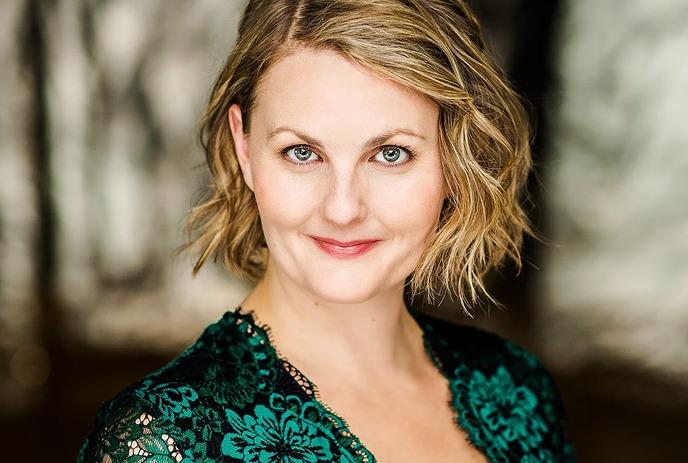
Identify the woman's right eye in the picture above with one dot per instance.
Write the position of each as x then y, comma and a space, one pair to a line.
298, 154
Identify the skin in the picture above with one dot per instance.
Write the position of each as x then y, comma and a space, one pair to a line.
343, 322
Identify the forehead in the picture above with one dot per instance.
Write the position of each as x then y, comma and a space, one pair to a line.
323, 91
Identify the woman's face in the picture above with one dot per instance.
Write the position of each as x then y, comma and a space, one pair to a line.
338, 153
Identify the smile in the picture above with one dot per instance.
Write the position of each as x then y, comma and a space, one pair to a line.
344, 250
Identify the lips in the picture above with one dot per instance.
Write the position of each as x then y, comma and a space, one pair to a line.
344, 249
342, 243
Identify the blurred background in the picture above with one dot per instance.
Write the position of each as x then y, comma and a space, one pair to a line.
99, 163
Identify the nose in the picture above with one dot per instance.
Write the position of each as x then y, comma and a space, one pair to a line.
344, 202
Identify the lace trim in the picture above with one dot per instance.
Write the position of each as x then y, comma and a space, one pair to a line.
310, 388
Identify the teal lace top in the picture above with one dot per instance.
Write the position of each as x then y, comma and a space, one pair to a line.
231, 397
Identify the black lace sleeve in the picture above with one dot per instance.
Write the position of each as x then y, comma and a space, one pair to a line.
125, 430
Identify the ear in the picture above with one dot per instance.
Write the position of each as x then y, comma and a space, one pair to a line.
240, 143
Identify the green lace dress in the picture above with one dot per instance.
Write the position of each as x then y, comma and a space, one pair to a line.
232, 397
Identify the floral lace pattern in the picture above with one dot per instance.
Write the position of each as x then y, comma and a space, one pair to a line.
232, 397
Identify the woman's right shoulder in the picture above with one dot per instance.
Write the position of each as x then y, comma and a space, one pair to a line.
129, 425
155, 417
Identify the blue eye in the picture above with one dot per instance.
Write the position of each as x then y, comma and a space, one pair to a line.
302, 155
392, 153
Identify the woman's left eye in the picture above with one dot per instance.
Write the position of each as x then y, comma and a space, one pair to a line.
390, 155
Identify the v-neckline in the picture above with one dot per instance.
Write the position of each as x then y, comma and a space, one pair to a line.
419, 317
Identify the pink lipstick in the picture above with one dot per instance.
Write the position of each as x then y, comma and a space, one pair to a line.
344, 250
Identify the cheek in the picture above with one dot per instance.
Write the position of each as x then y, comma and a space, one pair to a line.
283, 200
411, 206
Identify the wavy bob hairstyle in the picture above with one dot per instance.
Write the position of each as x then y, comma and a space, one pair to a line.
432, 46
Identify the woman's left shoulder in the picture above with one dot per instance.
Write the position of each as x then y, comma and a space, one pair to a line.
481, 348
519, 407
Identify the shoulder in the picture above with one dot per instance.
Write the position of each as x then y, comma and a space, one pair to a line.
506, 397
159, 414
469, 350
465, 344
125, 427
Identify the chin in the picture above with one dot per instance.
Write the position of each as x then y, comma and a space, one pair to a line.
343, 290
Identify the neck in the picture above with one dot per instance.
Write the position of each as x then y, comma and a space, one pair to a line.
354, 343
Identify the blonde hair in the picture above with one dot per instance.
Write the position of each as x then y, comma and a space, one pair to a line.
432, 46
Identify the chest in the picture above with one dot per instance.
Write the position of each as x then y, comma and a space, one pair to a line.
406, 429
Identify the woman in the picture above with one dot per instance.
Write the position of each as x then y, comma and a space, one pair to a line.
356, 148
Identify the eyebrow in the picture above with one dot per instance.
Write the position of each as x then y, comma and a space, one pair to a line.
372, 142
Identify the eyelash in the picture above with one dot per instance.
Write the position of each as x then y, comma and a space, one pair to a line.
411, 155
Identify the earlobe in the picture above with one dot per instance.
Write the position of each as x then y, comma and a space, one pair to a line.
240, 144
